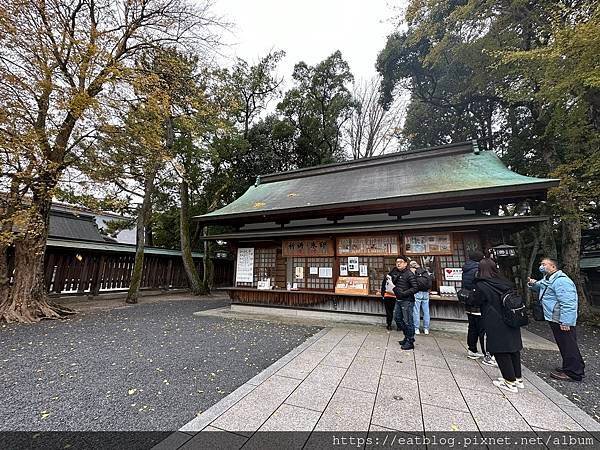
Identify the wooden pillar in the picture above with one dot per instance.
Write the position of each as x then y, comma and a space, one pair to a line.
169, 274
84, 276
97, 276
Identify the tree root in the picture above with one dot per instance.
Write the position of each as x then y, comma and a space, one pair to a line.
16, 312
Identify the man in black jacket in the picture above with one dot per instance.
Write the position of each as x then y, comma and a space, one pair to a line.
406, 287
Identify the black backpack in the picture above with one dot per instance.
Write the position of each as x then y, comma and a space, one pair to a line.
424, 281
468, 297
514, 311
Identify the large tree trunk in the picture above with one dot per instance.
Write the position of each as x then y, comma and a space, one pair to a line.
196, 285
4, 275
571, 249
527, 254
27, 300
547, 241
141, 222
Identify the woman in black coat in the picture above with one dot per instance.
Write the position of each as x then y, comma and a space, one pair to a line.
503, 342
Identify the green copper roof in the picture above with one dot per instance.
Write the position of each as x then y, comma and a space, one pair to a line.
450, 171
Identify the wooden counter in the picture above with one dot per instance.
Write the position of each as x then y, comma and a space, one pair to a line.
436, 297
439, 307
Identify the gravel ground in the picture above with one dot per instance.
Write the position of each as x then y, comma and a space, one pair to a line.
586, 394
151, 366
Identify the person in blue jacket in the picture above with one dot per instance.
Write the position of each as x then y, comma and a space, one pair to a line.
559, 300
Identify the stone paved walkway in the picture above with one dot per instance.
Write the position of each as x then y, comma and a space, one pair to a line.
358, 379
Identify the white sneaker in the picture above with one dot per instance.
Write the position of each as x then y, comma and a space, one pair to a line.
518, 383
417, 331
506, 385
426, 331
474, 355
489, 360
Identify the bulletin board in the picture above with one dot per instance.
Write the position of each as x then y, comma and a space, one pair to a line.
428, 244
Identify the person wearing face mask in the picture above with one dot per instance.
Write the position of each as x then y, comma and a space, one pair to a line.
559, 300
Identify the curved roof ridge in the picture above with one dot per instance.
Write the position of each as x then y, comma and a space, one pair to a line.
458, 147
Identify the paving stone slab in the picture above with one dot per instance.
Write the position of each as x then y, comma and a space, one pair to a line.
451, 347
397, 405
348, 410
400, 366
199, 423
314, 396
439, 391
328, 341
326, 375
493, 412
340, 357
430, 360
246, 416
541, 412
442, 419
469, 375
582, 418
363, 374
430, 349
302, 365
545, 388
291, 418
374, 346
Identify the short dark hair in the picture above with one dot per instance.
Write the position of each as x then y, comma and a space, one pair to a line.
476, 255
552, 260
403, 258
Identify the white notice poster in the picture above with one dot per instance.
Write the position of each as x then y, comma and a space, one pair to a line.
363, 270
245, 266
325, 272
314, 270
353, 264
343, 270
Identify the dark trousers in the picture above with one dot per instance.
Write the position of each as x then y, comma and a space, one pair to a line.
476, 331
572, 364
404, 316
389, 304
509, 365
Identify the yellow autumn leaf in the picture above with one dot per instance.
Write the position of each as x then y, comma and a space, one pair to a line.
454, 427
131, 391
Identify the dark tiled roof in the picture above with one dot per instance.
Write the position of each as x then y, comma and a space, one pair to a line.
67, 225
114, 247
406, 178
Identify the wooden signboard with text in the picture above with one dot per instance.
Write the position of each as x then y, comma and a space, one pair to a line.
352, 285
307, 247
368, 245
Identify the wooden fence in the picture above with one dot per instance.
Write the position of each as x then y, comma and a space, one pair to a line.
78, 271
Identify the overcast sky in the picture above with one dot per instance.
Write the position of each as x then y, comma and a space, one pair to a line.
309, 30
